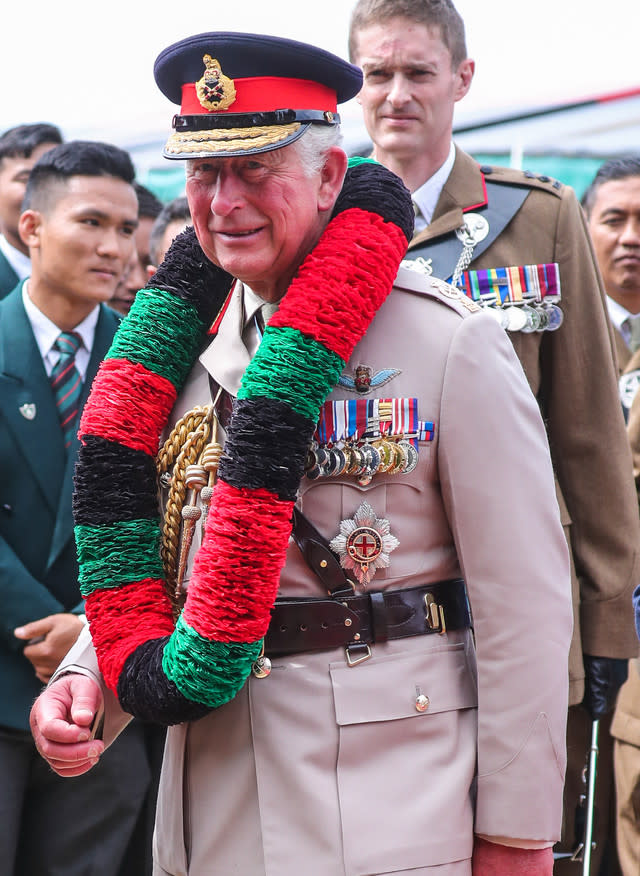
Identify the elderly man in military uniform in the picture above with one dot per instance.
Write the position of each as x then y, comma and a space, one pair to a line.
362, 660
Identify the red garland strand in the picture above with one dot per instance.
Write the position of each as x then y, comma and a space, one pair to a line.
141, 608
138, 403
338, 322
236, 589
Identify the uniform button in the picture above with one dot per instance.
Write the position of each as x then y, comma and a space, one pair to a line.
544, 178
422, 703
486, 168
262, 667
529, 174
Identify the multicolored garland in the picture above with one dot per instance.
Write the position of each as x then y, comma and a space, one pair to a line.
171, 673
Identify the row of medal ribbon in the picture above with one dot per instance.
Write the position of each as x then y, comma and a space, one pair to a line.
362, 459
365, 437
522, 298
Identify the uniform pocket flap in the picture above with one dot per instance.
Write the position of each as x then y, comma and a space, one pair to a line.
387, 688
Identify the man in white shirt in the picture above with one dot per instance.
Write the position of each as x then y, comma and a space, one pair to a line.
78, 225
20, 148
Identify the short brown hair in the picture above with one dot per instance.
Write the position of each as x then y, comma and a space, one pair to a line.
432, 13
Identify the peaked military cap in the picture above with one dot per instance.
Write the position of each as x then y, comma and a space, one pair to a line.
241, 93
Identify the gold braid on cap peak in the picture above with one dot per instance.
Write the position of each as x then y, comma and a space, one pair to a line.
214, 140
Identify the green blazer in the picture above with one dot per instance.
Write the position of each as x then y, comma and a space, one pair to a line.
8, 277
38, 565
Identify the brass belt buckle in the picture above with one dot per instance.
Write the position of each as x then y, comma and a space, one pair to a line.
365, 653
435, 614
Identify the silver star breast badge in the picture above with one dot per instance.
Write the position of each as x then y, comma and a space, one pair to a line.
364, 544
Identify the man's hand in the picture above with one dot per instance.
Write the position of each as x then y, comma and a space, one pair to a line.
54, 636
61, 721
491, 859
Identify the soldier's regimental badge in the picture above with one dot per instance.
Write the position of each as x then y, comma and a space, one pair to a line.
364, 380
215, 90
364, 544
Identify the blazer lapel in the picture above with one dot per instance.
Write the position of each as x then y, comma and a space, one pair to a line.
27, 401
63, 531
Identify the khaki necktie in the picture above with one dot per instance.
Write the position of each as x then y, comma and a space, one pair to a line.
633, 323
265, 313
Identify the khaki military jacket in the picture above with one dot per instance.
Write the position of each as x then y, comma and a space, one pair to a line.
626, 720
325, 768
572, 374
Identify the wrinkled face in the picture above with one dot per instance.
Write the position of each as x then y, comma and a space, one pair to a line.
410, 87
258, 216
14, 173
614, 225
81, 243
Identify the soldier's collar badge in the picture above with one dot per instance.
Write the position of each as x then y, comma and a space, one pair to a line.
215, 90
364, 544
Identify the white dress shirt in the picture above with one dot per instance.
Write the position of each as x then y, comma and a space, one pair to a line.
46, 332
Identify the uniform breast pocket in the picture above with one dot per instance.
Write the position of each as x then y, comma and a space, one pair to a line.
406, 765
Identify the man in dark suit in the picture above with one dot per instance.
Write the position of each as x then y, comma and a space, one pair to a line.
20, 148
79, 217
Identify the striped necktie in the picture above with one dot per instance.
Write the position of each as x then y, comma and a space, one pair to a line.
67, 383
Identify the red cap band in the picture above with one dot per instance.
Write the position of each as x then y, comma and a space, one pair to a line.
266, 94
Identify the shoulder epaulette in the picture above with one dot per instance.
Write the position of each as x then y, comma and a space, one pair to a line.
513, 176
439, 290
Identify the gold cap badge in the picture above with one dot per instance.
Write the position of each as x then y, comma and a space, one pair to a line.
215, 90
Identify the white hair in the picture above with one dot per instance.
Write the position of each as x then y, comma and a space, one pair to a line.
313, 145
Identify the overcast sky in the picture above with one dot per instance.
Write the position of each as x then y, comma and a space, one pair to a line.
88, 66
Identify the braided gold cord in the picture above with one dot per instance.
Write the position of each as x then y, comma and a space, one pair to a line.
184, 445
179, 436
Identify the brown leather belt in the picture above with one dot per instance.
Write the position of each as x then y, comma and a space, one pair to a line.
358, 621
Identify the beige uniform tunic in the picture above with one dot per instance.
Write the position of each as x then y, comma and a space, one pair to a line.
330, 770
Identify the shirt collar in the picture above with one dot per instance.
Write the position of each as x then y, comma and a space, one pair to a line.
618, 314
426, 197
46, 332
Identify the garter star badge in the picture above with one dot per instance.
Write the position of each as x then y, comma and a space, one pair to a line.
215, 90
364, 544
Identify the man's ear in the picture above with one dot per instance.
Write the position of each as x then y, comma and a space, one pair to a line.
332, 177
464, 75
29, 227
151, 269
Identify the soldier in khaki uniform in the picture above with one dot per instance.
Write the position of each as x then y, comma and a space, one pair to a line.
612, 205
390, 740
473, 219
